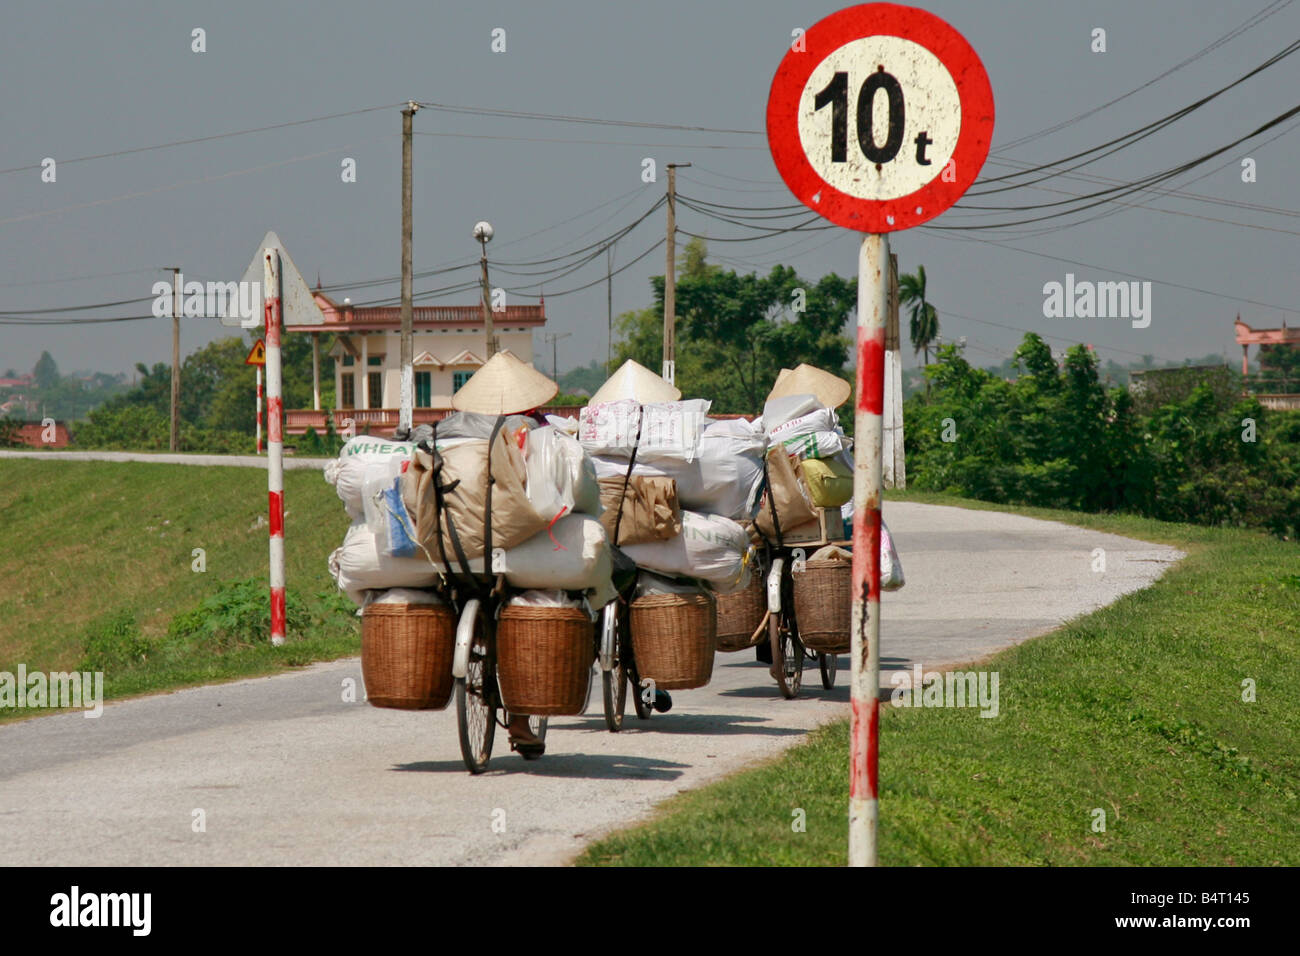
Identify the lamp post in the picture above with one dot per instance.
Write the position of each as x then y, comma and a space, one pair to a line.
483, 233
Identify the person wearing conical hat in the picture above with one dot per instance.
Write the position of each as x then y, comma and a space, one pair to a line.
636, 382
830, 390
504, 386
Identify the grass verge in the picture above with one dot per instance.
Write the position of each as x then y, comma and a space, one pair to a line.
104, 561
1135, 710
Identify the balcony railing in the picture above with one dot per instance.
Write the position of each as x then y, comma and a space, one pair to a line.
372, 420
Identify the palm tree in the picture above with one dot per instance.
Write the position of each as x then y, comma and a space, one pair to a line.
923, 327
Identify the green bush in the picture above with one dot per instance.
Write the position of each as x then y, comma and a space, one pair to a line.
237, 614
113, 641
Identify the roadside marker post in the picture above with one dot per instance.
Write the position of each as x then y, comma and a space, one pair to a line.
274, 441
257, 358
879, 121
286, 302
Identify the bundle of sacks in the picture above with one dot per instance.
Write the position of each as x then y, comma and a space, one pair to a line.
674, 483
809, 458
425, 508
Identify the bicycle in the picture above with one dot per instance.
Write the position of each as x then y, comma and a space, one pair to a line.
479, 708
788, 651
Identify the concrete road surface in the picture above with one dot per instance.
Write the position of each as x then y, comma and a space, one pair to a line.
281, 770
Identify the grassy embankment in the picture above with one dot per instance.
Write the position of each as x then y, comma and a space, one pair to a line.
1136, 710
97, 560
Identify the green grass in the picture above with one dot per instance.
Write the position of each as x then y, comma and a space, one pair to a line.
101, 555
1135, 709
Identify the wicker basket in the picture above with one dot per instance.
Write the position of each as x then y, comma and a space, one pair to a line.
406, 652
740, 614
823, 605
544, 657
674, 637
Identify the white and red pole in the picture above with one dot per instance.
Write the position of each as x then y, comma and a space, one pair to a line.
275, 441
259, 408
868, 445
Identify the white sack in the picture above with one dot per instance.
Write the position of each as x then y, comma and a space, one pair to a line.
581, 563
361, 459
710, 547
724, 479
405, 596
537, 598
787, 408
668, 429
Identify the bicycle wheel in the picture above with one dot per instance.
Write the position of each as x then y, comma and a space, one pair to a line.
787, 653
829, 665
476, 700
614, 681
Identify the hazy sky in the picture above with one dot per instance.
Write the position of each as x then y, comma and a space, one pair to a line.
79, 79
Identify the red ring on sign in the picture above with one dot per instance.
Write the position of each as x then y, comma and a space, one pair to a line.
973, 139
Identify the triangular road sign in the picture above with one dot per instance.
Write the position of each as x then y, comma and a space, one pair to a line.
298, 305
258, 355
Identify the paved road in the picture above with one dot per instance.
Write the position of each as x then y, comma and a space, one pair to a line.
168, 458
285, 772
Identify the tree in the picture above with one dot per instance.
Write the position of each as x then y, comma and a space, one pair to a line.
736, 332
923, 327
46, 372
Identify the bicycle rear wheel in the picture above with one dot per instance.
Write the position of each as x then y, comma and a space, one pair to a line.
614, 681
787, 653
476, 699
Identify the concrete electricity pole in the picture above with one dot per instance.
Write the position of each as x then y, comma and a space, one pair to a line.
670, 280
554, 337
407, 400
609, 308
174, 443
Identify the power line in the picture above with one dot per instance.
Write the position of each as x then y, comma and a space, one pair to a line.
588, 120
204, 139
593, 142
1258, 18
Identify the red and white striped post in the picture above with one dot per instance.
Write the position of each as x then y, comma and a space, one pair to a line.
868, 445
259, 409
275, 439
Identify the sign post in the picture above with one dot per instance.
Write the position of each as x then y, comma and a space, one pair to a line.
274, 441
287, 301
879, 121
257, 357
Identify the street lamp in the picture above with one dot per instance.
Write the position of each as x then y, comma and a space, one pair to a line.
483, 233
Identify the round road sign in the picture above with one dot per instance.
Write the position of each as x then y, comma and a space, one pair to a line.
881, 118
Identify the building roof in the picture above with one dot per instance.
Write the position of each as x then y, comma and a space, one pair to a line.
340, 317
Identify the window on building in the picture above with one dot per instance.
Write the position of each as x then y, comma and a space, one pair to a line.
349, 399
423, 389
375, 360
347, 359
376, 390
458, 379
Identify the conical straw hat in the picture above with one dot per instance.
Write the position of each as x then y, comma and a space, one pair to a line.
636, 382
831, 390
504, 386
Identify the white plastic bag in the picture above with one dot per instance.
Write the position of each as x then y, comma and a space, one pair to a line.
891, 566
561, 477
363, 458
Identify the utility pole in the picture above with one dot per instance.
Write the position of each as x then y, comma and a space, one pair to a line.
407, 400
483, 232
174, 443
609, 308
670, 280
554, 337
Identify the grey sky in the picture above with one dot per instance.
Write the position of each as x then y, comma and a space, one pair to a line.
87, 78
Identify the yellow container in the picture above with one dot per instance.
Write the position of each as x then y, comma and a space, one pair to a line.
830, 481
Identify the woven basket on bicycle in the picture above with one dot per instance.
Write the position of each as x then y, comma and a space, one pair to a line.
544, 657
674, 637
823, 605
740, 614
406, 652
